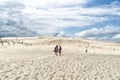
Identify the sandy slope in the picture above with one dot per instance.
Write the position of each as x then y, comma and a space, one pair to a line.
38, 62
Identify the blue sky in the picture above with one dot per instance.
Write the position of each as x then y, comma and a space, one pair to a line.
92, 19
94, 3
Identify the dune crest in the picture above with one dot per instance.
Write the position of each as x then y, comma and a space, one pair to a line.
34, 59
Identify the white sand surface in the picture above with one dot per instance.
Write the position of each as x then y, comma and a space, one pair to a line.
38, 62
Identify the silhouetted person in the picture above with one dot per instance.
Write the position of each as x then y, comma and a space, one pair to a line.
114, 49
57, 50
86, 50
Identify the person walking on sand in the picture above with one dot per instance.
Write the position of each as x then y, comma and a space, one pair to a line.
57, 50
86, 50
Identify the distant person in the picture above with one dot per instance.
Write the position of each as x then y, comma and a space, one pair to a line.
114, 49
86, 50
57, 50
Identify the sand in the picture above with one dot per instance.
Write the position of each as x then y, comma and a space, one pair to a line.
34, 59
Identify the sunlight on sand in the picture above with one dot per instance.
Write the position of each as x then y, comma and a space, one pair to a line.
37, 61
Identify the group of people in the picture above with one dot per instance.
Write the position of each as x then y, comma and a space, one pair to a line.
58, 50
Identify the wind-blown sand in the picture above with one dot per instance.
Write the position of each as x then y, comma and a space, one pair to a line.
34, 59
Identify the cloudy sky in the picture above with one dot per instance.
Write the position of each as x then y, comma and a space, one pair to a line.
93, 19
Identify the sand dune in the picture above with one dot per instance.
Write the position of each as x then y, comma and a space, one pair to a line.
38, 62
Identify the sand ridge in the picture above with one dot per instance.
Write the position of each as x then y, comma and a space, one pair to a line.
38, 62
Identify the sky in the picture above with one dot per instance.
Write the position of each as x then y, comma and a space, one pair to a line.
91, 19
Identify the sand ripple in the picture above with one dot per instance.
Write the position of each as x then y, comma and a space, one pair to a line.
72, 67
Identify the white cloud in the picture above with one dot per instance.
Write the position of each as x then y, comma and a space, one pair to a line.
12, 19
60, 18
99, 11
3, 0
102, 33
116, 37
53, 3
61, 34
47, 17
